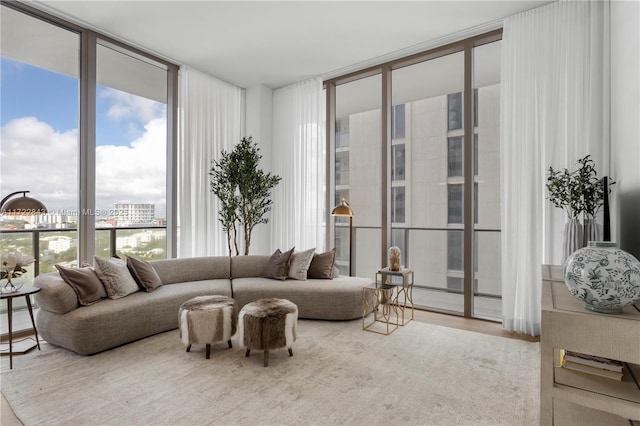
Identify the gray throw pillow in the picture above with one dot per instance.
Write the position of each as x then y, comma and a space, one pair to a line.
84, 282
278, 266
116, 277
299, 264
144, 274
322, 265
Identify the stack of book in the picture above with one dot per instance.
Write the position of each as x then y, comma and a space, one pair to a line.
598, 366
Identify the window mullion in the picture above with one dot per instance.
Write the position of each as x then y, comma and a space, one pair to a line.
87, 148
468, 180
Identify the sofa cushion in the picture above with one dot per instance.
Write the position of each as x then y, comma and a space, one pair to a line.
192, 269
337, 299
322, 265
248, 266
85, 282
116, 277
55, 294
278, 266
144, 274
299, 264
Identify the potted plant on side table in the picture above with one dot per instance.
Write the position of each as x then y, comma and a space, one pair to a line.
578, 192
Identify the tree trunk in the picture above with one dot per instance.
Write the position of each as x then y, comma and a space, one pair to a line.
235, 240
247, 240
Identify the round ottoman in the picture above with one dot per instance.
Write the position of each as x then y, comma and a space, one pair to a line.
268, 324
208, 319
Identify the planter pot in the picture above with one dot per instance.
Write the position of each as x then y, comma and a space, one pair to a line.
604, 277
572, 237
591, 231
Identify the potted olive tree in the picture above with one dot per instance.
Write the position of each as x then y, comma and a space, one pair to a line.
244, 191
578, 193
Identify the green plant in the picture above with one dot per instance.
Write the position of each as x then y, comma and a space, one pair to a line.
243, 190
223, 185
580, 191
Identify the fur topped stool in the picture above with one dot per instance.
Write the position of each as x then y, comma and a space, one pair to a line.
268, 324
208, 319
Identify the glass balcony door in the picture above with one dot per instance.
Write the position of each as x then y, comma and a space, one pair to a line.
359, 174
428, 178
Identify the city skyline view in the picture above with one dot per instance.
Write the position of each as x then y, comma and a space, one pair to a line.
40, 145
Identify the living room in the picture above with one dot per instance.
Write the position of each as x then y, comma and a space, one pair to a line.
367, 108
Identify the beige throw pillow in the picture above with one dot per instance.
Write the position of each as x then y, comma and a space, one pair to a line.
116, 277
278, 266
322, 265
299, 265
84, 282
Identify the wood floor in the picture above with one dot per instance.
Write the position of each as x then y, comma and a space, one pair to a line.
7, 418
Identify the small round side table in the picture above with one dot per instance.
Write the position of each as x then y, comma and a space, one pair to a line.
26, 293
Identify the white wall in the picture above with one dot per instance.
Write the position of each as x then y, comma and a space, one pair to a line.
625, 124
258, 124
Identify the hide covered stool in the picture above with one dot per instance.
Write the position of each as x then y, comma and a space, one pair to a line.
208, 319
268, 324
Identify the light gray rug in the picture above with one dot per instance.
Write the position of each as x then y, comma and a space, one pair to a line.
421, 374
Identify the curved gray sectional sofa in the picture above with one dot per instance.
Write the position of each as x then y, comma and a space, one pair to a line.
62, 321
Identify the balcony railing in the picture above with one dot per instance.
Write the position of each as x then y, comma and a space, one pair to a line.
37, 242
419, 248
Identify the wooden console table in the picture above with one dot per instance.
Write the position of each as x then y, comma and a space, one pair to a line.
568, 397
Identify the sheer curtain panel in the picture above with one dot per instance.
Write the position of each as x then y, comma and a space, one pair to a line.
299, 157
554, 106
211, 118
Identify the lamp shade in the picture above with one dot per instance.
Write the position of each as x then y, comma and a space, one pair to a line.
21, 206
342, 210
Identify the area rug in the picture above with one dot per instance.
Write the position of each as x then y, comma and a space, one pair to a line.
420, 374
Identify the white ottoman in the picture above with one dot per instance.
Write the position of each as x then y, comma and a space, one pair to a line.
208, 319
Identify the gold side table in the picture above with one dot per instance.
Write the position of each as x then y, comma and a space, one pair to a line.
403, 281
380, 296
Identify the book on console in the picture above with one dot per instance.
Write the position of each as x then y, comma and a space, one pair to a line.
592, 370
593, 361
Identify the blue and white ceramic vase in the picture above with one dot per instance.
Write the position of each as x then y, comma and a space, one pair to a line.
603, 276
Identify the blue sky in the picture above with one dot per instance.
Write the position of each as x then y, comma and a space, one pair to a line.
39, 144
53, 98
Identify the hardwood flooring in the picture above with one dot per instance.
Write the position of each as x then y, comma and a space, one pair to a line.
7, 418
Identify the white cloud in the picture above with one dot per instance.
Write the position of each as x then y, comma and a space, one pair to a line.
35, 157
126, 106
134, 173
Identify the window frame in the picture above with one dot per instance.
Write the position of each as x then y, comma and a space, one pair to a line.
469, 118
89, 40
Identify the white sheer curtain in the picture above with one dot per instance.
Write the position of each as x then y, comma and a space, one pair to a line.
554, 110
299, 156
210, 120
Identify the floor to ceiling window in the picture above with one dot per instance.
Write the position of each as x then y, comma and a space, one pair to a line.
358, 173
130, 152
427, 130
39, 151
87, 128
430, 237
486, 237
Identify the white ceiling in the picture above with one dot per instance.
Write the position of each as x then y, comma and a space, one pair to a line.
277, 43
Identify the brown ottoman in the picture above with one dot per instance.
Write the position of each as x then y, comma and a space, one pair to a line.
268, 324
208, 319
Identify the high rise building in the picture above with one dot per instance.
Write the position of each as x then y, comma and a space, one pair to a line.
127, 214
